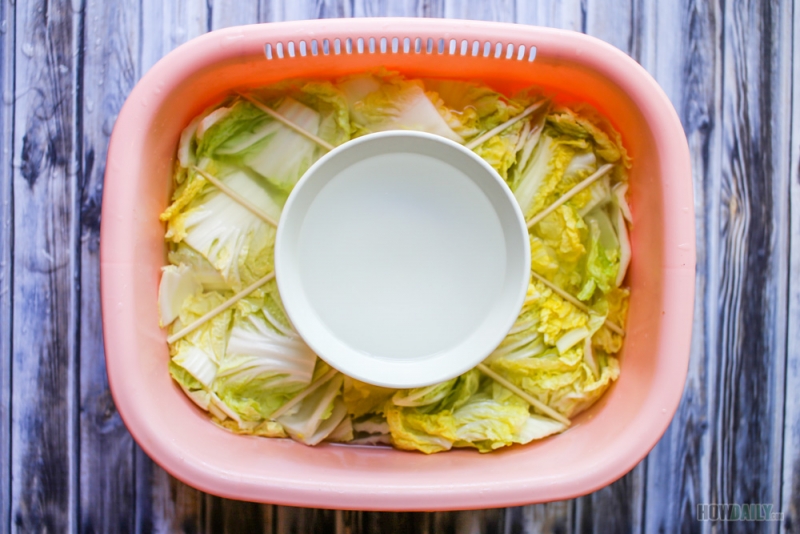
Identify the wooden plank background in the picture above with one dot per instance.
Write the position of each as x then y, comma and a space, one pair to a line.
67, 462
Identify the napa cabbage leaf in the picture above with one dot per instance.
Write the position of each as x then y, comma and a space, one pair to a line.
387, 101
236, 242
263, 366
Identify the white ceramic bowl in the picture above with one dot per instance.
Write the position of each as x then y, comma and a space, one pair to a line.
402, 259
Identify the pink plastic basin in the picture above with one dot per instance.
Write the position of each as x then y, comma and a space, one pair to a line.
604, 443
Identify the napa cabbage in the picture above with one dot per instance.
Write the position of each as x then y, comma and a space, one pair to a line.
546, 354
387, 101
318, 415
264, 365
195, 358
249, 368
178, 282
236, 242
362, 398
475, 418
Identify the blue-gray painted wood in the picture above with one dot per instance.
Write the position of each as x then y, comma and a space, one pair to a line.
45, 285
110, 70
7, 35
67, 462
790, 490
753, 245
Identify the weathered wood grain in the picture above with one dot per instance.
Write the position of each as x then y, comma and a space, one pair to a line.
226, 516
111, 68
616, 508
163, 503
747, 417
790, 491
553, 518
278, 10
225, 13
7, 36
618, 23
165, 25
564, 14
690, 74
488, 521
291, 520
398, 8
66, 462
494, 10
355, 522
491, 521
44, 442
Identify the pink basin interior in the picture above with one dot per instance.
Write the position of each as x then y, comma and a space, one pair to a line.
604, 443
